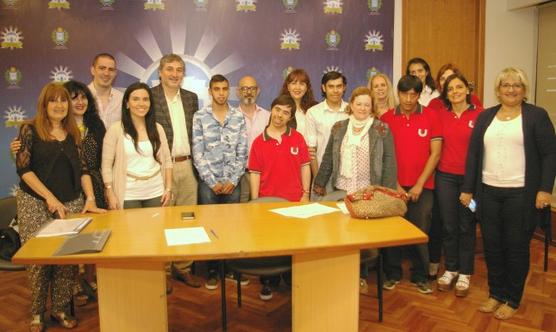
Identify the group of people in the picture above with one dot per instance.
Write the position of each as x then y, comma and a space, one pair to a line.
91, 148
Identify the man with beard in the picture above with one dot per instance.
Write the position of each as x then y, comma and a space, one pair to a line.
256, 119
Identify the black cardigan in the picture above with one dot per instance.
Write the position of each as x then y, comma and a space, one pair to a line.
539, 143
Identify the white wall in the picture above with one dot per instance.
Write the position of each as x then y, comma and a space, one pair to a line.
510, 40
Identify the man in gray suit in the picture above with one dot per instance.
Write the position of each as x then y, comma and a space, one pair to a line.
174, 108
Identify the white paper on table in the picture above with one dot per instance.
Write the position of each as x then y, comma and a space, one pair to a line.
343, 208
305, 211
189, 235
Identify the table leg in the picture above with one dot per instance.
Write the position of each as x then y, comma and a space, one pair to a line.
132, 297
325, 291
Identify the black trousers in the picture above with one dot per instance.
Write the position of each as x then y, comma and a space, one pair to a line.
506, 243
419, 214
458, 224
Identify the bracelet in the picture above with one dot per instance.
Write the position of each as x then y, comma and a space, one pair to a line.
109, 186
168, 190
90, 199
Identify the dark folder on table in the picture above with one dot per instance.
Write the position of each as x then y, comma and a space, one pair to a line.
84, 243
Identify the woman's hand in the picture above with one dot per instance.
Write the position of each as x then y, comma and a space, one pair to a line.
55, 206
465, 199
414, 193
112, 200
543, 200
15, 144
91, 206
321, 191
166, 198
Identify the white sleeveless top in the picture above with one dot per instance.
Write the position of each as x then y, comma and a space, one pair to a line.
142, 164
504, 154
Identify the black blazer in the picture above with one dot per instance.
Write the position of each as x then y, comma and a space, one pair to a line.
539, 143
190, 103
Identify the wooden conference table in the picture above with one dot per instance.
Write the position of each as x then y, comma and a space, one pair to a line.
325, 250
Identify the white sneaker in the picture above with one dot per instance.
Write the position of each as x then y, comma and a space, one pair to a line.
462, 285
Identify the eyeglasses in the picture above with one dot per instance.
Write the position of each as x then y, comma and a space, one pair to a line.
515, 86
248, 89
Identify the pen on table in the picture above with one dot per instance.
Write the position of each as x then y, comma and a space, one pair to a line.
214, 233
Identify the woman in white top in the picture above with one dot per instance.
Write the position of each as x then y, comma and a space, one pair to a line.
136, 160
298, 85
509, 172
420, 68
383, 94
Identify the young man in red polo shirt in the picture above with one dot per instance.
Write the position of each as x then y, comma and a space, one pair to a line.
279, 159
279, 167
418, 142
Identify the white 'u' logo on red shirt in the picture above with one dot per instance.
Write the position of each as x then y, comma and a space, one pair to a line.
294, 150
471, 124
422, 132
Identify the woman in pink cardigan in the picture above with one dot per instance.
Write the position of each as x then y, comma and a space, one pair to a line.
136, 160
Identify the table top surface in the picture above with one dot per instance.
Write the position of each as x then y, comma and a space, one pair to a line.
242, 230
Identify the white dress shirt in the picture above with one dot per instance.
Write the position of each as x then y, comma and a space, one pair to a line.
112, 111
319, 122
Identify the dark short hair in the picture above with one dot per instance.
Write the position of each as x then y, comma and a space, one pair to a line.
285, 100
332, 75
218, 78
444, 92
103, 55
409, 82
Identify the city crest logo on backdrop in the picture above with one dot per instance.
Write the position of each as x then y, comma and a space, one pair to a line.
333, 6
13, 77
107, 4
154, 5
58, 4
246, 5
201, 5
332, 39
371, 72
290, 5
328, 69
286, 71
374, 41
61, 74
290, 40
14, 116
11, 38
60, 37
374, 6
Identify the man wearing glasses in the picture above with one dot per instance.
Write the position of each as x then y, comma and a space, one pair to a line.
256, 119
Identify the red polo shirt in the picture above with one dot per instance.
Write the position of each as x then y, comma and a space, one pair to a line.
456, 133
279, 164
412, 139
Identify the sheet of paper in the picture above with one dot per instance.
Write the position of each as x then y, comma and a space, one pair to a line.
305, 211
58, 227
182, 236
343, 208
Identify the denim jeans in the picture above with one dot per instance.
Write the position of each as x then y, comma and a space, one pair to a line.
506, 243
435, 231
458, 224
207, 196
419, 214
